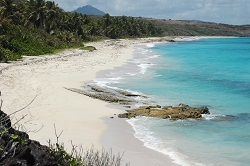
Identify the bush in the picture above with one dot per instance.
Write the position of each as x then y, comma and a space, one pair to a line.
2, 57
90, 157
7, 55
16, 41
88, 48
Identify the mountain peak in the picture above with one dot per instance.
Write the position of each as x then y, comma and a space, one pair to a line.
89, 10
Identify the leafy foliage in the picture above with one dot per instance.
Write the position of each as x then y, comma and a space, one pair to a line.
63, 157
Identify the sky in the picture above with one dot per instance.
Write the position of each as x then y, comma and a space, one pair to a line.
236, 12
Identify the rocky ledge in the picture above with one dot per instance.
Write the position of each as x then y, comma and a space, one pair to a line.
17, 149
108, 94
181, 111
128, 99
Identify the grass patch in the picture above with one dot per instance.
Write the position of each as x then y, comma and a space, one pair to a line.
59, 50
88, 48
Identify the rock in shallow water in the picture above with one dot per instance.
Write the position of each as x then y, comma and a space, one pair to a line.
173, 113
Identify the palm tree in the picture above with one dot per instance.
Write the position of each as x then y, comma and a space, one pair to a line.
106, 21
92, 29
7, 9
53, 17
37, 12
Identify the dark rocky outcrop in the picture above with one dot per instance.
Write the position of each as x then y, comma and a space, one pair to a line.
16, 149
172, 41
173, 113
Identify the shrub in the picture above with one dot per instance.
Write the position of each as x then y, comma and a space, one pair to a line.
7, 55
90, 157
2, 57
88, 48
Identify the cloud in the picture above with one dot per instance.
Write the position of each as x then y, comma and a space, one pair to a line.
221, 11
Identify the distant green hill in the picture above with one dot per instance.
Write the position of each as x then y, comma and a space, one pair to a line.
197, 28
89, 10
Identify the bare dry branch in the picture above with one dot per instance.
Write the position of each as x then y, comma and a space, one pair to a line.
57, 136
24, 107
20, 119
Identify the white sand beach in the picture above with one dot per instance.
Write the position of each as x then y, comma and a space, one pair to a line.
84, 121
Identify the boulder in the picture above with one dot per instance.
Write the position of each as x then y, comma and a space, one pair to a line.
125, 115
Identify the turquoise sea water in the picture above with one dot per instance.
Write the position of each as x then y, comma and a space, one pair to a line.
212, 72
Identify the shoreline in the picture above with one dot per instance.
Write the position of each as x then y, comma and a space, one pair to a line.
45, 78
119, 136
113, 132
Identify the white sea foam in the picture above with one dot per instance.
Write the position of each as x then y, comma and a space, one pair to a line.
159, 75
142, 51
150, 45
195, 38
154, 56
106, 81
188, 39
212, 116
136, 61
144, 67
150, 141
131, 74
200, 37
134, 92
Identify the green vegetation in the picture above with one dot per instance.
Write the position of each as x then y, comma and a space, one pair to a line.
198, 28
35, 27
65, 158
89, 157
88, 48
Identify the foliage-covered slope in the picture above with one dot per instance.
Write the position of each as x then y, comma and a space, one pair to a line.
39, 27
35, 27
198, 28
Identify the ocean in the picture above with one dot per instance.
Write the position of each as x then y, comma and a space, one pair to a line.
212, 72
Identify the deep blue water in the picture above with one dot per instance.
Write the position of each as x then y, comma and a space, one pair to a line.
213, 72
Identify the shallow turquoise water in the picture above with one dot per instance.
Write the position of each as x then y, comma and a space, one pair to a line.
213, 72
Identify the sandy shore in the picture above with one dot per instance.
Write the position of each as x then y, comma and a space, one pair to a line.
84, 121
119, 136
